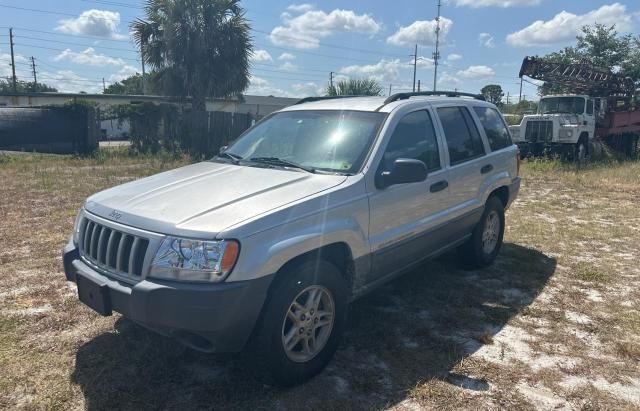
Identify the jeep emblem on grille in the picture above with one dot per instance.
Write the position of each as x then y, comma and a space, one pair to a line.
115, 215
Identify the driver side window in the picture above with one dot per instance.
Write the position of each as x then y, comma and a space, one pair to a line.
415, 138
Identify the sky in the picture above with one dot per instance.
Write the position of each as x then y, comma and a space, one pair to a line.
78, 43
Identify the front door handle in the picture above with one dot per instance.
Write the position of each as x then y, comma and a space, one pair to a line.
439, 186
486, 169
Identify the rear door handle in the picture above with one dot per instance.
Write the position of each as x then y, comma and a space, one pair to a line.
439, 186
486, 169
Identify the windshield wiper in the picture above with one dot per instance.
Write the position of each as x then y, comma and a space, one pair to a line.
233, 157
275, 161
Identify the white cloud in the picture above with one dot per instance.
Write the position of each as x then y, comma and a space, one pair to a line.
100, 23
123, 73
67, 81
5, 63
383, 71
261, 55
301, 8
286, 57
307, 89
447, 80
423, 62
421, 32
564, 26
306, 30
89, 57
476, 72
288, 66
496, 3
454, 57
259, 86
486, 40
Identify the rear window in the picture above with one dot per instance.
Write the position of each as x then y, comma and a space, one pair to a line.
494, 127
463, 139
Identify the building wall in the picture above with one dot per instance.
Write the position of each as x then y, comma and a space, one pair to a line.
256, 105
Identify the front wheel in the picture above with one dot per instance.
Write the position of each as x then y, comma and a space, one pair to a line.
581, 151
302, 323
486, 239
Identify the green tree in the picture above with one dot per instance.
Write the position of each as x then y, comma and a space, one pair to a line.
493, 93
132, 85
603, 47
6, 86
355, 87
199, 49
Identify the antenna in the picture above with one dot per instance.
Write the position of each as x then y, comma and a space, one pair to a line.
436, 55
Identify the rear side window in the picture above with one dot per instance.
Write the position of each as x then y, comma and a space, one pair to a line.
463, 138
414, 137
494, 127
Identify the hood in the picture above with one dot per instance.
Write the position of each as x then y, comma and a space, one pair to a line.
203, 199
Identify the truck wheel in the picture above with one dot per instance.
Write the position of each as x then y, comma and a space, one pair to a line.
302, 323
581, 152
486, 240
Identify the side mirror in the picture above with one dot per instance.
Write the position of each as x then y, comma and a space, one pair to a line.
404, 171
222, 149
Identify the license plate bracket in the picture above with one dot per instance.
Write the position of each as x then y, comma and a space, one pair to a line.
94, 295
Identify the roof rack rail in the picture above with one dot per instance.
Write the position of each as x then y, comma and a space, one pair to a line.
404, 96
320, 98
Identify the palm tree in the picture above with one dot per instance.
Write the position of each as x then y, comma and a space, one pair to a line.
200, 49
355, 87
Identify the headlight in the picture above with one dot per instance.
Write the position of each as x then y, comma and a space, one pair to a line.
566, 132
76, 227
194, 260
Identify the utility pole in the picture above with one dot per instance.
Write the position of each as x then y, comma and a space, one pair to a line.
331, 78
436, 55
418, 86
104, 86
520, 99
507, 98
13, 62
389, 88
35, 78
415, 66
144, 80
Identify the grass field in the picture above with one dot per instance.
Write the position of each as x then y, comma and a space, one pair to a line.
554, 323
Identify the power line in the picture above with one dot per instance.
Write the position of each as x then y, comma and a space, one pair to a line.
38, 10
73, 35
54, 49
78, 44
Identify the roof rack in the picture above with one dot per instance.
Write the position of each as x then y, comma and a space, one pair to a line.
404, 96
320, 98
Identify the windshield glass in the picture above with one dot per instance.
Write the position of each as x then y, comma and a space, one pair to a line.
570, 105
329, 140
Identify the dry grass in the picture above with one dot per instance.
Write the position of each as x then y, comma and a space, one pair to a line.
555, 322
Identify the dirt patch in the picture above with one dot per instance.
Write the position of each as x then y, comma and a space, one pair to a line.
553, 324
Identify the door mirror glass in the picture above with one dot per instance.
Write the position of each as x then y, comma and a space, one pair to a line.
404, 171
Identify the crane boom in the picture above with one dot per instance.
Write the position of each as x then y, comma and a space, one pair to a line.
579, 78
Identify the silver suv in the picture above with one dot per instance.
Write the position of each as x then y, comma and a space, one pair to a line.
264, 246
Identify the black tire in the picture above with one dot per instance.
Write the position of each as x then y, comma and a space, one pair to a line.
472, 252
581, 152
267, 348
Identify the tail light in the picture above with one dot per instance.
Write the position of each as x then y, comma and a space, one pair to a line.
518, 161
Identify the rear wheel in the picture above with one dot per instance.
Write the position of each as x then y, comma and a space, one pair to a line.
302, 323
486, 240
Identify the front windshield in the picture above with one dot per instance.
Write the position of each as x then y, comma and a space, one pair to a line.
567, 105
328, 140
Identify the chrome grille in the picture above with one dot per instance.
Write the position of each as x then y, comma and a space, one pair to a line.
539, 131
112, 250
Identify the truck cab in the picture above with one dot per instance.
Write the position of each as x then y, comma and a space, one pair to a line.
564, 124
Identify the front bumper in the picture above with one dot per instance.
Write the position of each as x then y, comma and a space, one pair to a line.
206, 317
538, 149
